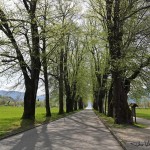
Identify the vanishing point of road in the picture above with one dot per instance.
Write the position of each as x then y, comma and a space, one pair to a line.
80, 131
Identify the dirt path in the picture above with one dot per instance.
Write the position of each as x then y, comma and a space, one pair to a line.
80, 131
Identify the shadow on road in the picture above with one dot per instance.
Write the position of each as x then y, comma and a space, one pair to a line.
31, 139
26, 143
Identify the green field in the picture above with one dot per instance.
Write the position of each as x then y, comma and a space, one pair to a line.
10, 118
143, 113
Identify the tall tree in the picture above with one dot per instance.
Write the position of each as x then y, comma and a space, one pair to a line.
30, 73
45, 59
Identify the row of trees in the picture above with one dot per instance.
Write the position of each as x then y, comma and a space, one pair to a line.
123, 27
97, 53
41, 40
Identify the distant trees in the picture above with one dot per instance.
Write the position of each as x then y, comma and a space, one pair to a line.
97, 46
68, 57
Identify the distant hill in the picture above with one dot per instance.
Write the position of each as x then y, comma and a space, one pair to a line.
16, 95
13, 94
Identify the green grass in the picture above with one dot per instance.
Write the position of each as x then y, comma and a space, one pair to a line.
138, 125
10, 119
143, 113
110, 122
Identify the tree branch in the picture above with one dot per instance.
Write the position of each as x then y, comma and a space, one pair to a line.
138, 71
26, 5
134, 12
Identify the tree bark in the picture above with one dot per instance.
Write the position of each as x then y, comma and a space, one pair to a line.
32, 84
75, 105
61, 83
121, 111
80, 103
44, 60
110, 103
101, 100
101, 92
30, 99
95, 102
68, 98
73, 96
47, 105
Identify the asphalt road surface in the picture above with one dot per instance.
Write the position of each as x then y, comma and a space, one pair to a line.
80, 131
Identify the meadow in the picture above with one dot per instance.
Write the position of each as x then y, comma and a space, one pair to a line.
143, 113
10, 119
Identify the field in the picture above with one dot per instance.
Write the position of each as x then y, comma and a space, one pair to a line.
10, 118
143, 113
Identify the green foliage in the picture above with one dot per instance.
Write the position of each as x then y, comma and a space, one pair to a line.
138, 90
84, 82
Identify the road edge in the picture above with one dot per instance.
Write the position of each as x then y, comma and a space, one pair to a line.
119, 140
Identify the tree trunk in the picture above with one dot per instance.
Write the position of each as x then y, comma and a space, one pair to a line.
80, 103
101, 92
48, 111
66, 81
68, 99
95, 103
122, 113
72, 103
61, 78
44, 59
101, 100
110, 103
75, 105
106, 98
30, 98
31, 84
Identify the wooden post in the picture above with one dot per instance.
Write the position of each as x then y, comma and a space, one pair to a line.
135, 114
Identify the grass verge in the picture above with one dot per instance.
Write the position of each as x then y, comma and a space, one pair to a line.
110, 122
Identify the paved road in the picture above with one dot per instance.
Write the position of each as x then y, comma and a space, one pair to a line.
80, 131
144, 121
